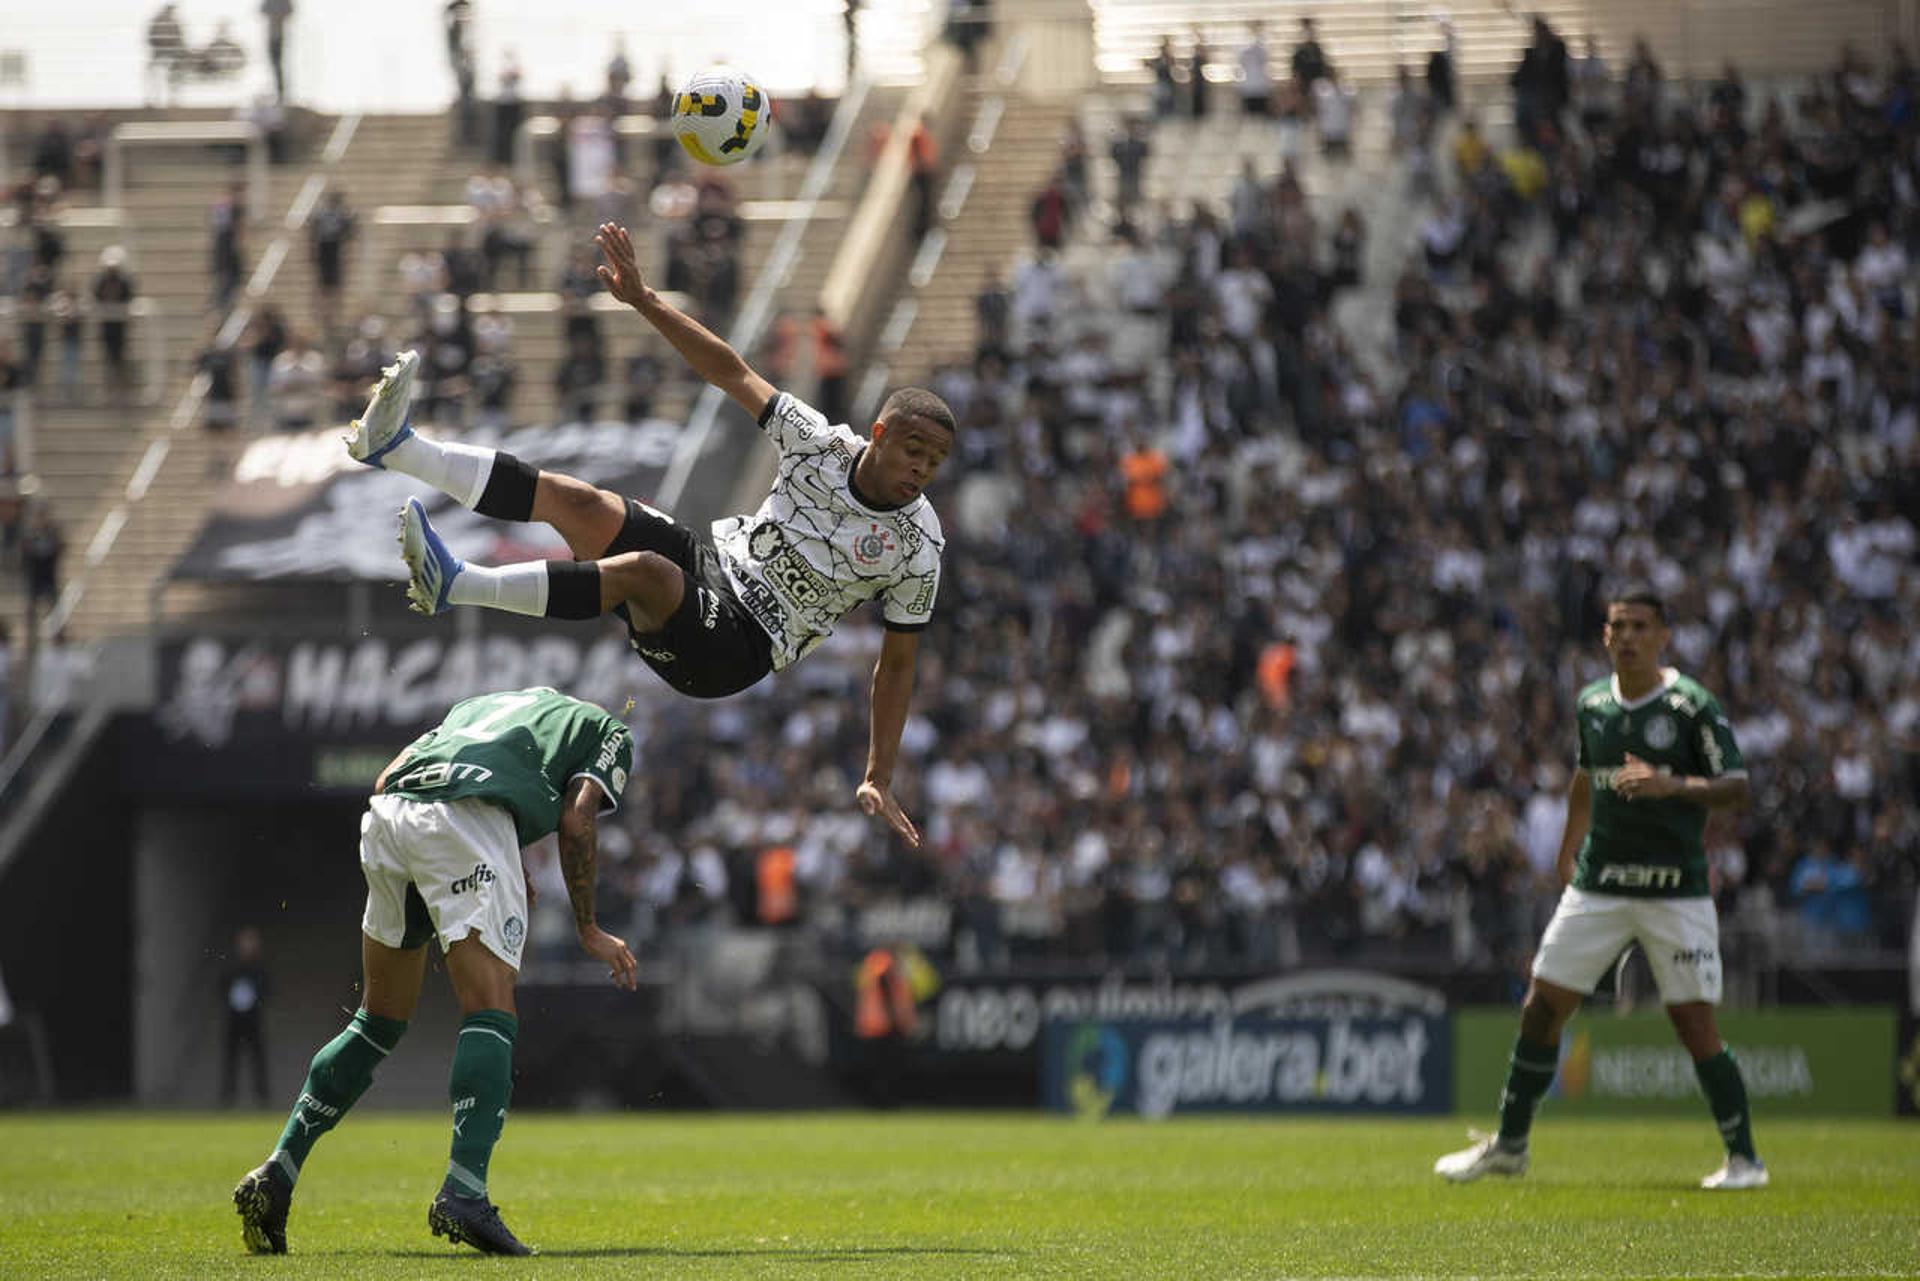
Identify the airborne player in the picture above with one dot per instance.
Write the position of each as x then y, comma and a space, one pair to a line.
1656, 753
847, 521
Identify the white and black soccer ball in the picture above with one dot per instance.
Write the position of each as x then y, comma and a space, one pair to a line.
721, 116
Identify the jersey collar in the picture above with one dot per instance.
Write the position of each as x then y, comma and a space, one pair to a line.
860, 499
1668, 675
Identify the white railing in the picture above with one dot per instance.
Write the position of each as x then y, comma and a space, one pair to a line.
149, 135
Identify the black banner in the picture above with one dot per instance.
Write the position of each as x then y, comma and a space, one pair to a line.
297, 506
279, 716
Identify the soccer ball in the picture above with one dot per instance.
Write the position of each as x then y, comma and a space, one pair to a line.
720, 116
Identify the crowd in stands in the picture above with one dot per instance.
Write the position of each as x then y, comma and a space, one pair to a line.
1244, 656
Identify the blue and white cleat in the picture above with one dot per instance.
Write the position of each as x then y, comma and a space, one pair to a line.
385, 423
431, 568
1739, 1174
1484, 1156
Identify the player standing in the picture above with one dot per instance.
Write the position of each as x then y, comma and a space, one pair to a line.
1655, 754
440, 849
847, 521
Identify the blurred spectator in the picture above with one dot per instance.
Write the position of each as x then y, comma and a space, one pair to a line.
1164, 66
829, 366
591, 161
296, 385
619, 76
1834, 906
1130, 152
923, 166
494, 376
990, 312
644, 375
1197, 88
1256, 76
166, 49
457, 19
1333, 113
276, 13
1050, 213
504, 232
577, 379
40, 550
223, 57
1309, 61
265, 339
64, 310
221, 364
1440, 70
53, 153
1542, 84
244, 991
329, 231
226, 255
114, 292
36, 297
269, 119
13, 381
507, 108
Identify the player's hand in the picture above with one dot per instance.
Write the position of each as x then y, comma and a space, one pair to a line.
877, 800
620, 273
1639, 781
611, 952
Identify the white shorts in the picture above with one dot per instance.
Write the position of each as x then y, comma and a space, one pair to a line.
1681, 937
463, 856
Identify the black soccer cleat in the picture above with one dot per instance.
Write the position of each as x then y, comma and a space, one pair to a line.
262, 1200
472, 1221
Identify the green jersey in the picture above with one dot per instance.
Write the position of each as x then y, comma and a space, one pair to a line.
1650, 847
518, 750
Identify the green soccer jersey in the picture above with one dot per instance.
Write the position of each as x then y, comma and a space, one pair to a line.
1650, 847
519, 750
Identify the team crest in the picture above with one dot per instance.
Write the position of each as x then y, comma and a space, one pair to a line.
869, 547
766, 541
1661, 732
514, 930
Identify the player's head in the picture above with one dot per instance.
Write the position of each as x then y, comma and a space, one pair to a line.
1636, 629
911, 439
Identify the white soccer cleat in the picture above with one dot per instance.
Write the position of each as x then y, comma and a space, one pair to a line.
431, 567
1737, 1175
1486, 1156
385, 423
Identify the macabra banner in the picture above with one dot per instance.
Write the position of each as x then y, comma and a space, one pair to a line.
297, 506
1328, 1064
279, 716
1795, 1062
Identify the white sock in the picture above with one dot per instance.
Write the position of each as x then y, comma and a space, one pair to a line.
521, 588
456, 470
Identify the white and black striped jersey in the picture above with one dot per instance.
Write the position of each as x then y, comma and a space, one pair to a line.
814, 551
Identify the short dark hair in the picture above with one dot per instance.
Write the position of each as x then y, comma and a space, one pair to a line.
918, 402
1640, 594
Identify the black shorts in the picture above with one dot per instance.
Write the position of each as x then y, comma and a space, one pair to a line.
712, 646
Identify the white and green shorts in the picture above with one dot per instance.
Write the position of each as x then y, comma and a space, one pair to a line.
1588, 932
445, 868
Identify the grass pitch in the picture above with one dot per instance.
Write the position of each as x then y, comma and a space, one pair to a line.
964, 1195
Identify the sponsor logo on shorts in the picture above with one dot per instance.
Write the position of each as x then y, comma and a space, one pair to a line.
514, 930
480, 875
1640, 876
709, 608
1695, 956
655, 655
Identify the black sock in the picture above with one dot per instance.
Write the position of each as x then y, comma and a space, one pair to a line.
573, 589
509, 490
1529, 1073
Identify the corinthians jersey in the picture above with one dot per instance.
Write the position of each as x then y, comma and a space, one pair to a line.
814, 551
1650, 847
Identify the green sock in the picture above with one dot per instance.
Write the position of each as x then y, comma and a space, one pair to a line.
480, 1085
1529, 1073
339, 1074
1726, 1093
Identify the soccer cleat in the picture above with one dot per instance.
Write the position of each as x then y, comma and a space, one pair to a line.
385, 423
472, 1221
1486, 1156
431, 568
262, 1200
1738, 1174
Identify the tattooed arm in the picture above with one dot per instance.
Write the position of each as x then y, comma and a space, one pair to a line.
579, 850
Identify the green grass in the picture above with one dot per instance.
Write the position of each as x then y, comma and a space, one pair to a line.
965, 1195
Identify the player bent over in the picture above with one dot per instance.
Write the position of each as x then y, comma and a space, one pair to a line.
440, 849
847, 521
1655, 754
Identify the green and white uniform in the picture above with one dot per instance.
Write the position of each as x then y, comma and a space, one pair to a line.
440, 847
1642, 869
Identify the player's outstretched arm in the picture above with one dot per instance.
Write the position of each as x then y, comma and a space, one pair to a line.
705, 352
892, 692
579, 851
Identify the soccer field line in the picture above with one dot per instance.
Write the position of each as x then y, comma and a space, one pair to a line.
1796, 1274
